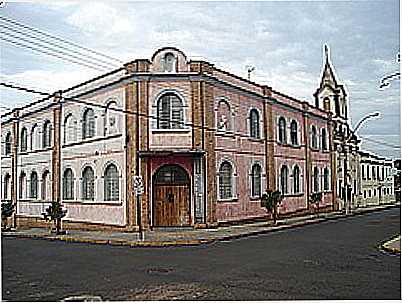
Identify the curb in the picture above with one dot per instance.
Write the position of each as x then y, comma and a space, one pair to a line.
386, 246
197, 242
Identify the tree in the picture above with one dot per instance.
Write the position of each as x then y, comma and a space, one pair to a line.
270, 200
315, 199
55, 213
7, 210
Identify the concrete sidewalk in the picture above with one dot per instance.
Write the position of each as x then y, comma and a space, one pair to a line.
180, 237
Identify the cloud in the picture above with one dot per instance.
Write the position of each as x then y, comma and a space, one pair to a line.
98, 18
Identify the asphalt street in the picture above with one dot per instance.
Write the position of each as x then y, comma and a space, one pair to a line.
330, 260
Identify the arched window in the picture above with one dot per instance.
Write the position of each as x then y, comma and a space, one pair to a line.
111, 119
24, 140
170, 112
88, 184
293, 133
225, 181
314, 137
8, 144
284, 180
169, 63
68, 184
282, 130
6, 188
337, 106
111, 183
296, 179
316, 180
22, 185
45, 185
254, 124
47, 134
324, 145
224, 116
326, 179
35, 137
256, 180
34, 185
70, 129
88, 124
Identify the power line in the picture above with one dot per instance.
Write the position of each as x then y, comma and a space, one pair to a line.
20, 24
87, 58
382, 143
47, 53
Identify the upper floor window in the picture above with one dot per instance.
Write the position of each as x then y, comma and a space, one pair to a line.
24, 140
35, 137
170, 112
284, 180
88, 124
225, 181
316, 180
68, 184
224, 116
282, 130
293, 133
8, 144
363, 172
324, 139
111, 119
326, 178
88, 184
254, 124
256, 180
314, 137
169, 63
47, 134
34, 185
296, 179
111, 183
70, 129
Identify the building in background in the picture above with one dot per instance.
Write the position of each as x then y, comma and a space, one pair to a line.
397, 179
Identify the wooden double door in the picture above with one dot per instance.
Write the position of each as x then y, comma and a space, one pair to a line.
171, 197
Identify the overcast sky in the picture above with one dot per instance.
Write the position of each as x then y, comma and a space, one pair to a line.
283, 40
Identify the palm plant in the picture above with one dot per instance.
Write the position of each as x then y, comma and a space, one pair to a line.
270, 200
7, 210
55, 213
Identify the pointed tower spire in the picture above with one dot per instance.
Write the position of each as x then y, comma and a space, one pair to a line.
326, 53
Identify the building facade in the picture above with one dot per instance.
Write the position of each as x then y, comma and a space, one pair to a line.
377, 181
205, 142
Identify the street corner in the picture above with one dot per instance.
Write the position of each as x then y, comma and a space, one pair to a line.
392, 246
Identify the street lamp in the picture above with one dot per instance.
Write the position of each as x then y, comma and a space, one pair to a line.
346, 140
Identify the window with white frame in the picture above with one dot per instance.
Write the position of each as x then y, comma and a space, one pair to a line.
7, 150
282, 130
7, 187
35, 137
324, 144
70, 129
314, 141
33, 186
284, 175
88, 184
296, 179
170, 112
111, 184
256, 180
45, 185
88, 124
22, 185
316, 180
68, 184
47, 134
326, 179
226, 181
24, 140
254, 124
111, 119
293, 133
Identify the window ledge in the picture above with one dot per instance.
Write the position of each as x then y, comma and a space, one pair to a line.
170, 130
255, 199
228, 134
234, 199
290, 145
260, 140
294, 195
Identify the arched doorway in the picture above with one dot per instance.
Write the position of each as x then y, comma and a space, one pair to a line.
171, 185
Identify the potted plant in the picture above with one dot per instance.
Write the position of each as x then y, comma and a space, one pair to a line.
7, 210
